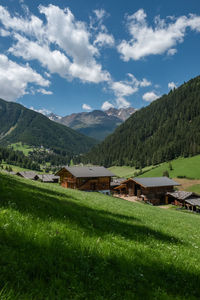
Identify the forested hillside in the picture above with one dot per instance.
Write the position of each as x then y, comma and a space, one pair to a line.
19, 124
167, 128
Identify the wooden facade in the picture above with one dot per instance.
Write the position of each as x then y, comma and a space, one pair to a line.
84, 182
154, 194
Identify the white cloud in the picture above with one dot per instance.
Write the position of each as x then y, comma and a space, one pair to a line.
150, 96
75, 55
126, 88
146, 40
104, 39
4, 32
100, 13
43, 111
86, 107
55, 61
106, 105
44, 92
122, 102
172, 85
14, 79
171, 52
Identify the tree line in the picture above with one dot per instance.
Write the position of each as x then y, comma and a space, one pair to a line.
166, 129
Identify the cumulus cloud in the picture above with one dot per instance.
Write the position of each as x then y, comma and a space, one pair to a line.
75, 55
86, 107
106, 105
43, 111
172, 85
14, 79
100, 13
171, 52
125, 88
44, 92
104, 39
150, 96
148, 40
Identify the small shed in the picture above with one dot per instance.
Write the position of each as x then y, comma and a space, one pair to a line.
51, 178
150, 189
27, 174
92, 178
193, 204
189, 200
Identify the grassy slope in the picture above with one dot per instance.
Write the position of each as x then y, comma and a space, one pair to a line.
188, 167
194, 188
65, 244
24, 148
125, 171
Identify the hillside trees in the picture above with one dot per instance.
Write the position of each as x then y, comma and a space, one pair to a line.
167, 128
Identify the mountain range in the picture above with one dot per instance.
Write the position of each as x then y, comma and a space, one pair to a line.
19, 124
168, 128
96, 124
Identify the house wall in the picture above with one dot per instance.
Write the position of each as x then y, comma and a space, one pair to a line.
67, 180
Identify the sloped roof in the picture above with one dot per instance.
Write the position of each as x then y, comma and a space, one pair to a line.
117, 181
27, 174
92, 171
195, 201
47, 177
155, 181
181, 195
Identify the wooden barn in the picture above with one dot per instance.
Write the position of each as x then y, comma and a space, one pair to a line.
189, 200
149, 189
86, 178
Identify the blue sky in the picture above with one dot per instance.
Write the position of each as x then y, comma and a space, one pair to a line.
72, 56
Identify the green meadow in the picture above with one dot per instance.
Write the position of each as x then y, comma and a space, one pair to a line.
184, 167
181, 167
59, 243
126, 171
21, 147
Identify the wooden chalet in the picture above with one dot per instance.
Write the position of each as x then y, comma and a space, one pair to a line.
189, 200
150, 189
86, 178
48, 178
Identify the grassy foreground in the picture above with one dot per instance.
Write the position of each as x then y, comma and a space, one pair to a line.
65, 244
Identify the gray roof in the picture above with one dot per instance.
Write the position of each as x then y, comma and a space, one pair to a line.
47, 177
117, 181
181, 195
27, 174
195, 201
89, 171
155, 181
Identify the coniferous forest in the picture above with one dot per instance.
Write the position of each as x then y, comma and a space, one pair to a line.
167, 128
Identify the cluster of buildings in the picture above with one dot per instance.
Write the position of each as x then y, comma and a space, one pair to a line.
50, 178
151, 190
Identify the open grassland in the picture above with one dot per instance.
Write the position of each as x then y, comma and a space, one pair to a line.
22, 147
188, 167
18, 169
59, 243
126, 171
194, 188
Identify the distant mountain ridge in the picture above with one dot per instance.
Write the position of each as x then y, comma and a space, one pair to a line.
19, 124
97, 123
166, 129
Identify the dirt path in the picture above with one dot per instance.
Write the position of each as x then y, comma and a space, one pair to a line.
128, 198
185, 183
